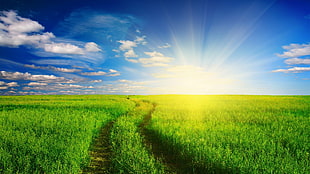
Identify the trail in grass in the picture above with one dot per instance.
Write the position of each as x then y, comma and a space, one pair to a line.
173, 160
157, 148
101, 152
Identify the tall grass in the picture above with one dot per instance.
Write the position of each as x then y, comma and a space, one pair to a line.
235, 134
208, 134
130, 153
52, 134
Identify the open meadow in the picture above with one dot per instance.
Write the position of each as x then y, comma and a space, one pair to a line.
155, 134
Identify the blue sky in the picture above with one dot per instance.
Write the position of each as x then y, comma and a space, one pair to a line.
155, 47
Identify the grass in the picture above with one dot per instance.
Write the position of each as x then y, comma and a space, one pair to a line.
235, 134
130, 153
52, 134
194, 134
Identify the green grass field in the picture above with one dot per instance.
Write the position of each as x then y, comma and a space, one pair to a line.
155, 134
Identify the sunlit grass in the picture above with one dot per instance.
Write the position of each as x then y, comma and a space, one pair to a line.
240, 134
130, 153
52, 134
207, 134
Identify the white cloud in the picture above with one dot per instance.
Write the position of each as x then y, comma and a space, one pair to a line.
16, 31
36, 84
12, 84
96, 81
4, 85
98, 73
132, 60
131, 82
295, 50
56, 87
154, 54
28, 76
156, 59
52, 68
70, 86
165, 46
92, 47
63, 48
115, 50
297, 61
111, 72
130, 53
141, 40
293, 70
18, 24
64, 69
127, 45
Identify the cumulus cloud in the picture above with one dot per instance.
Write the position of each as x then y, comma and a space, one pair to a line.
165, 46
55, 87
36, 84
92, 47
98, 73
69, 49
16, 31
111, 72
52, 68
130, 53
96, 81
132, 60
293, 70
127, 46
155, 59
12, 84
18, 24
132, 82
141, 40
5, 85
297, 61
295, 50
30, 77
63, 48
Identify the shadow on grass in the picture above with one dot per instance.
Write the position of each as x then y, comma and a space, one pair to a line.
179, 162
173, 158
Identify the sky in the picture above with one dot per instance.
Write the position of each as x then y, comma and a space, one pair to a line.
259, 47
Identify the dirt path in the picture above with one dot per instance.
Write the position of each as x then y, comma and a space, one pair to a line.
157, 148
101, 152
